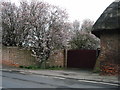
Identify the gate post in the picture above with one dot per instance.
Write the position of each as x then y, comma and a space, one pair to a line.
65, 58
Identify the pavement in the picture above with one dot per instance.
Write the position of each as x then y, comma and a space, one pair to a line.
77, 74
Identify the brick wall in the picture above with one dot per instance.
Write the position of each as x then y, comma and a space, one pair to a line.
56, 59
109, 58
110, 47
16, 56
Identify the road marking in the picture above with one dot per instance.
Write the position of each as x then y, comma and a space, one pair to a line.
9, 70
45, 76
25, 73
59, 78
22, 72
100, 82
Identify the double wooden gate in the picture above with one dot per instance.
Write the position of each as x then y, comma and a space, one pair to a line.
81, 58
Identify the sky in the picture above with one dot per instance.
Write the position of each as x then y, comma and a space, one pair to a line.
81, 9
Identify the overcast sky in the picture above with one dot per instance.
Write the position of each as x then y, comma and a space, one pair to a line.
81, 9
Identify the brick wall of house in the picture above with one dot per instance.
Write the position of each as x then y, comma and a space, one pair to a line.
110, 47
109, 57
16, 56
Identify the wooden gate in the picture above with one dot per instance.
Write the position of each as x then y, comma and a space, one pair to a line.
81, 58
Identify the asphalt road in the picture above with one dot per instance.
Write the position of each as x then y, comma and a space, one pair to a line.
24, 80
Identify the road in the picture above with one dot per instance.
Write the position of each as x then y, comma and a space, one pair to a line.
25, 80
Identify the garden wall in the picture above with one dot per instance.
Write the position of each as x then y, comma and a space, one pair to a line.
15, 56
56, 59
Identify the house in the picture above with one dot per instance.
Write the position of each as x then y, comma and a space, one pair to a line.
107, 28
